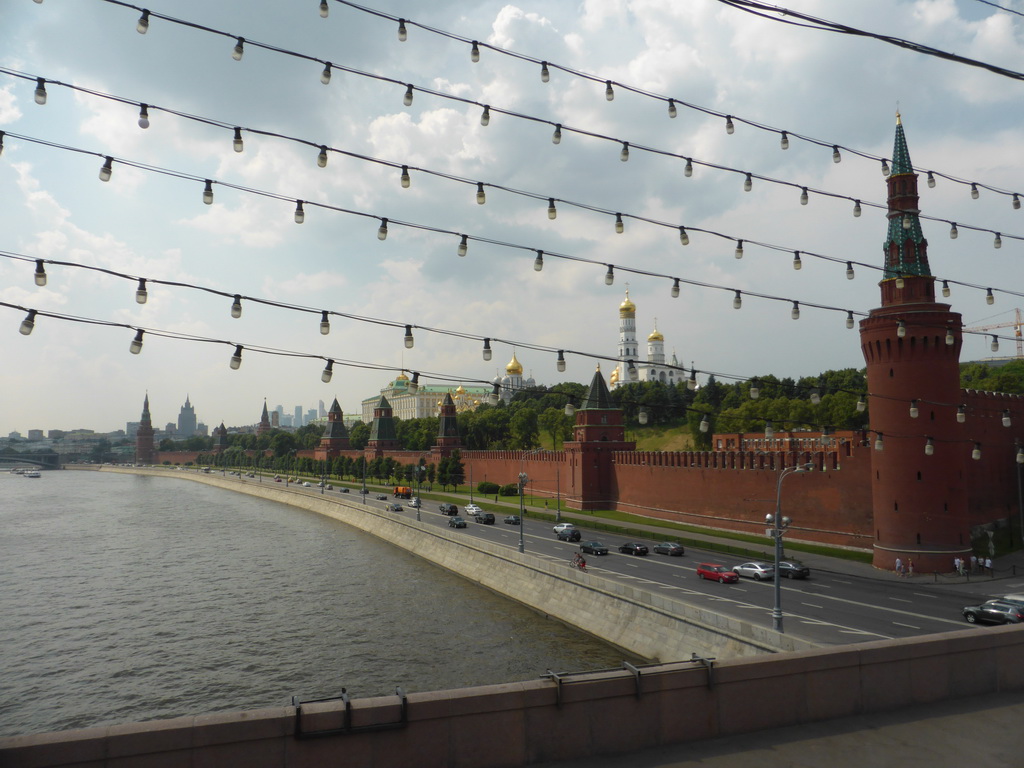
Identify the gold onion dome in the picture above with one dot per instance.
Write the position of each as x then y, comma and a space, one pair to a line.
614, 377
514, 367
627, 308
461, 390
655, 336
401, 377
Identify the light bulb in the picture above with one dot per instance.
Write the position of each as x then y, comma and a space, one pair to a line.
236, 307
1, 142
929, 447
409, 340
856, 208
474, 54
494, 396
407, 99
414, 383
739, 249
485, 116
907, 221
624, 154
143, 116
675, 288
321, 159
849, 271
545, 76
945, 288
885, 167
40, 276
141, 294
705, 425
642, 416
143, 26
107, 169
836, 157
481, 196
463, 245
688, 170
950, 341
236, 359
570, 409
405, 179
325, 76
900, 282
995, 343
737, 300
1016, 202
729, 127
691, 383
609, 93
552, 211
239, 49
961, 414
328, 372
560, 362
931, 180
879, 444
136, 346
803, 196
672, 112
237, 143
403, 33
208, 192
300, 214
953, 232
989, 298
683, 237
748, 183
631, 372
797, 263
40, 92
556, 137
815, 397
609, 276
913, 409
861, 404
901, 329
784, 140
974, 192
538, 263
325, 323
795, 314
619, 226
755, 390
976, 453
1020, 455
849, 319
324, 9
998, 242
382, 230
1006, 418
769, 430
487, 349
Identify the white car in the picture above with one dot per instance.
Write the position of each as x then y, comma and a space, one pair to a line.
472, 509
307, 485
415, 502
563, 527
755, 571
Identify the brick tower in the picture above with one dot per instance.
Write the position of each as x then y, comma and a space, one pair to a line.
382, 430
144, 445
335, 437
447, 428
911, 345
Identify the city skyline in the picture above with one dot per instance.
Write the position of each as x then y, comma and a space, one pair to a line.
837, 90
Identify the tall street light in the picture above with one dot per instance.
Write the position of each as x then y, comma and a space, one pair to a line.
779, 525
420, 469
522, 520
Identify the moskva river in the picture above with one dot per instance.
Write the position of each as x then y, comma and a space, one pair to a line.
129, 598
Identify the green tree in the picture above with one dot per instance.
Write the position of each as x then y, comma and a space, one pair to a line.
359, 435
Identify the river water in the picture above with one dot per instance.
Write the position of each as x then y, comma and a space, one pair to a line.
127, 598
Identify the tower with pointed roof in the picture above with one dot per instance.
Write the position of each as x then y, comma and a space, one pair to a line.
598, 433
630, 367
187, 420
264, 425
911, 345
383, 436
144, 442
448, 427
335, 437
220, 438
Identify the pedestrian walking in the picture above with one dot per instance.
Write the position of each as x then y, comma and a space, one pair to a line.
910, 567
988, 565
956, 565
899, 567
974, 563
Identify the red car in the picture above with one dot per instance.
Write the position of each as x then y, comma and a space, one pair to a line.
717, 573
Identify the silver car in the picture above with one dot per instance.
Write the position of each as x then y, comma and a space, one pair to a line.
755, 571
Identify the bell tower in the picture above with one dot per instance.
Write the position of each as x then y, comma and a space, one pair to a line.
144, 442
911, 345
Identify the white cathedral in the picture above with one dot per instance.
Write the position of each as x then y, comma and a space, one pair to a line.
654, 368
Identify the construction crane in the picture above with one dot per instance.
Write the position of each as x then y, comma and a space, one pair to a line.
1015, 324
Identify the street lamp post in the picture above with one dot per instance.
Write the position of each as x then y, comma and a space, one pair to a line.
522, 520
470, 483
419, 502
779, 526
364, 480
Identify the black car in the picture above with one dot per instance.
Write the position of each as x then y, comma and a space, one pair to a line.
448, 509
394, 507
484, 517
381, 497
344, 490
456, 522
994, 612
671, 548
569, 534
511, 520
791, 569
593, 548
632, 548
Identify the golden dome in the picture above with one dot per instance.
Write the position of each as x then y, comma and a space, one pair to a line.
461, 390
401, 377
655, 334
614, 377
627, 308
514, 367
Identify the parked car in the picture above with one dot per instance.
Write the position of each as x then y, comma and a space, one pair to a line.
755, 571
632, 548
562, 526
511, 520
447, 508
791, 569
381, 497
472, 509
484, 517
716, 572
671, 548
394, 507
994, 612
569, 534
456, 522
593, 548
414, 502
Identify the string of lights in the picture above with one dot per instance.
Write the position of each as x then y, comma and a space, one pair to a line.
619, 216
1000, 7
546, 67
560, 128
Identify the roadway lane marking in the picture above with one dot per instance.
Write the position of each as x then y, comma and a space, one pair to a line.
922, 594
908, 626
863, 632
812, 605
840, 581
900, 600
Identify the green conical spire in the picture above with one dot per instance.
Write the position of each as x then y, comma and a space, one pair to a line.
598, 396
900, 154
905, 248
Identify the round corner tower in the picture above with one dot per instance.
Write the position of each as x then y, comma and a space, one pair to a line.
911, 345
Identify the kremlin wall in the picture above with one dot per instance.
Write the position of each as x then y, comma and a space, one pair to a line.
935, 471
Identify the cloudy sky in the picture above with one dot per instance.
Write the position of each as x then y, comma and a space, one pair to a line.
150, 220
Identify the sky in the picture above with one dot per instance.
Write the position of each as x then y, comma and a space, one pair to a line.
149, 220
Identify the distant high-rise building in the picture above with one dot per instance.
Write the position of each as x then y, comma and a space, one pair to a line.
297, 421
322, 412
311, 416
275, 419
186, 420
35, 434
